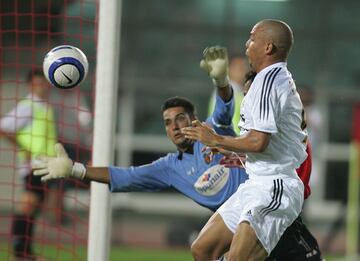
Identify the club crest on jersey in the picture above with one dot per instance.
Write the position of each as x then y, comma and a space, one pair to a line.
212, 180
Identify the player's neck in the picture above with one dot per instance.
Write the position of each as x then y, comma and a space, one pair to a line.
269, 62
186, 147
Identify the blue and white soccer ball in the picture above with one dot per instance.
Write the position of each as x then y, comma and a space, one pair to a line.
65, 66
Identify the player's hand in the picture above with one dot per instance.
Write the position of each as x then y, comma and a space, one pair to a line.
210, 152
57, 167
233, 161
201, 132
216, 63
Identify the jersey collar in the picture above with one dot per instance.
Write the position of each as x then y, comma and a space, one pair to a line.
190, 150
274, 65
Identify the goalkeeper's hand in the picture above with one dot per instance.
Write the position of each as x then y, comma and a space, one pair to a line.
57, 167
216, 62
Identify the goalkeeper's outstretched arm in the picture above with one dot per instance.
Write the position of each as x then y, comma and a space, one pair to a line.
215, 62
62, 166
99, 174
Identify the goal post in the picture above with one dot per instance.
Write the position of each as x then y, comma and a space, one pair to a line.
352, 215
107, 70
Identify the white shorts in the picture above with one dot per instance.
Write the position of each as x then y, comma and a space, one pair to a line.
269, 205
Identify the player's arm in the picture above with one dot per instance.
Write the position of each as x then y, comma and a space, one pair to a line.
252, 141
15, 120
149, 177
98, 174
215, 62
11, 137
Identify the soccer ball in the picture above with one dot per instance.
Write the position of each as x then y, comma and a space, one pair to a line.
65, 66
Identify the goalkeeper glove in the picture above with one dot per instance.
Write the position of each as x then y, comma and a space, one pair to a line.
216, 62
57, 167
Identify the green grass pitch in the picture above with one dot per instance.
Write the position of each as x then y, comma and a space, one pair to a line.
117, 253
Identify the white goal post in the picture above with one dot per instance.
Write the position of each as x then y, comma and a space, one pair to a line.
107, 71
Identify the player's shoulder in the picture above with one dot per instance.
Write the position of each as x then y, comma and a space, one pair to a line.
283, 77
170, 156
276, 79
23, 108
272, 74
264, 82
167, 162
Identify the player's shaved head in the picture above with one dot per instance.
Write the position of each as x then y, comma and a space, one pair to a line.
278, 33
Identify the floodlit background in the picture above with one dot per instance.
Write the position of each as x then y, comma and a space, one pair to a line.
161, 46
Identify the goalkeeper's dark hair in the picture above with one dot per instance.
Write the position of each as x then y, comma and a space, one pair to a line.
33, 72
177, 101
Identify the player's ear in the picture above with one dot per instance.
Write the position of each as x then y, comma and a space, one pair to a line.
270, 48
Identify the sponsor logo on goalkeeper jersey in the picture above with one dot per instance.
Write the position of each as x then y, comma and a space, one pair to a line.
212, 180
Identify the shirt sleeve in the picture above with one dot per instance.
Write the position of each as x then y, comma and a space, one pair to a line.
264, 110
221, 118
146, 178
17, 119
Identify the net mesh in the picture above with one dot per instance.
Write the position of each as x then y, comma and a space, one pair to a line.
28, 30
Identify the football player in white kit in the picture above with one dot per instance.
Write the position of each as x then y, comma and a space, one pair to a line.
273, 136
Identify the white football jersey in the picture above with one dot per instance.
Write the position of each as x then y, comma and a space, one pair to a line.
273, 105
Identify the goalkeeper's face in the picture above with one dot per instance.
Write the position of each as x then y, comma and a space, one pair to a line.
176, 118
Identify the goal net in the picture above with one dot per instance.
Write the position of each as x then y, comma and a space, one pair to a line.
48, 220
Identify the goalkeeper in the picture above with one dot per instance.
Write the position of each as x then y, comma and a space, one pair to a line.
192, 170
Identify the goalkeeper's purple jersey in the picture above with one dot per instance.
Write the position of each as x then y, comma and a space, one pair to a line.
208, 184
